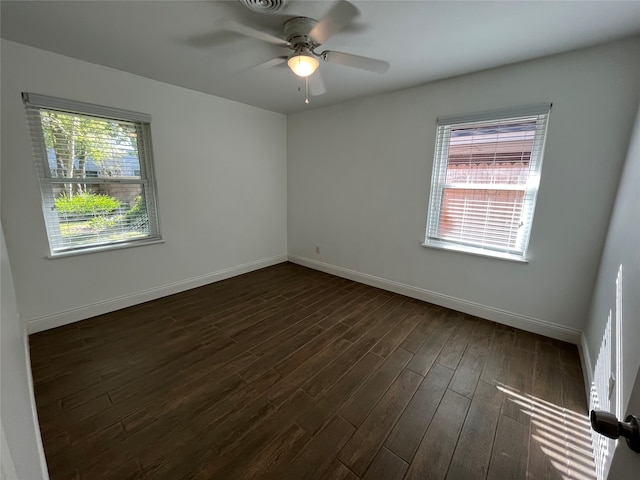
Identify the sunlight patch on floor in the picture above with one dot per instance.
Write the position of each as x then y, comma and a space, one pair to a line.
562, 435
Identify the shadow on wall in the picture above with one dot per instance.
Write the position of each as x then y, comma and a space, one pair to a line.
606, 387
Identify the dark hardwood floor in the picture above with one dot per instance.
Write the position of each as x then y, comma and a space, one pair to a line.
288, 373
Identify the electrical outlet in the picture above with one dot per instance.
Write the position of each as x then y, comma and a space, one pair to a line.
317, 249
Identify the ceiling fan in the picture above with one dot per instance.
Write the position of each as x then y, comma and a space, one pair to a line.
304, 35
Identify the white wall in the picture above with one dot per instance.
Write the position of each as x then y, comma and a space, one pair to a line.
622, 247
22, 454
7, 468
221, 175
359, 176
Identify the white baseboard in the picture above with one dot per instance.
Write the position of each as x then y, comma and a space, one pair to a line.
34, 409
99, 308
534, 325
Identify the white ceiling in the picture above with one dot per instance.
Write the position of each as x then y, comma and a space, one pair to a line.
177, 42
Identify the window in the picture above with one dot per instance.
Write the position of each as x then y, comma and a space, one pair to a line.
486, 172
96, 174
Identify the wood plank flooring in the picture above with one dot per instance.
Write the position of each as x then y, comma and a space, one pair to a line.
288, 373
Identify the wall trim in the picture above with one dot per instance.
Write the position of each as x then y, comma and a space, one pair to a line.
504, 317
34, 409
523, 322
99, 308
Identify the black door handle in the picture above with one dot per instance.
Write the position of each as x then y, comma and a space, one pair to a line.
608, 425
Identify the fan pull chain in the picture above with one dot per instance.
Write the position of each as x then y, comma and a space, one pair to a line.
306, 89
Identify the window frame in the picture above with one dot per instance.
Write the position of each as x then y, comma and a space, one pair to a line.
34, 104
530, 188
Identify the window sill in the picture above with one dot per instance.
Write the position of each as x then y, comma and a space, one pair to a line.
480, 252
104, 248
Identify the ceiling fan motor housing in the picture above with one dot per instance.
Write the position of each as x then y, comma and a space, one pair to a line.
297, 30
266, 7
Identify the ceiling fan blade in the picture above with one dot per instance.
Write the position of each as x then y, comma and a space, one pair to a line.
335, 20
356, 61
316, 85
248, 31
269, 63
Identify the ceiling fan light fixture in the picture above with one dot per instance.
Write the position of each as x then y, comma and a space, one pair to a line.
303, 63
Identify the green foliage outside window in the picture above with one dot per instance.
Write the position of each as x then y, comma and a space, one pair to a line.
139, 209
86, 204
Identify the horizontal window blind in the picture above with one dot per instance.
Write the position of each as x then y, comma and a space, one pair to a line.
73, 106
95, 172
485, 179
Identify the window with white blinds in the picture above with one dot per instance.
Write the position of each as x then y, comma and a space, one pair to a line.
486, 172
95, 169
